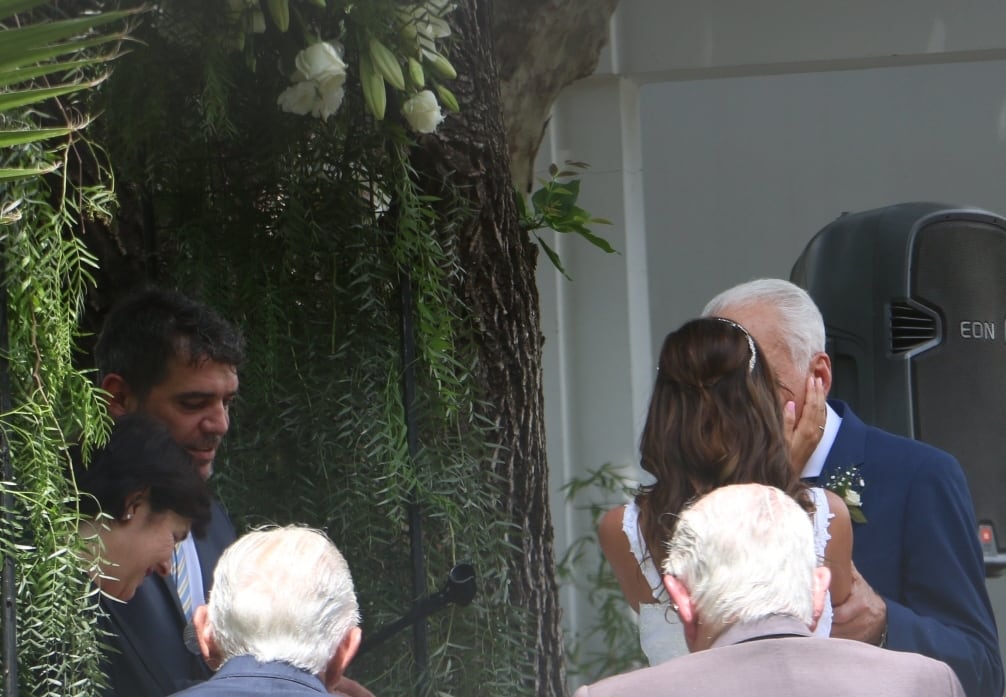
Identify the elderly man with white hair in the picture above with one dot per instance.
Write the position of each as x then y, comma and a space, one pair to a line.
919, 581
282, 619
744, 579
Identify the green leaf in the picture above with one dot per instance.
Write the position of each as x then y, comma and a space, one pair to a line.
9, 8
20, 98
539, 199
29, 38
551, 254
21, 137
21, 173
598, 242
856, 514
40, 54
15, 75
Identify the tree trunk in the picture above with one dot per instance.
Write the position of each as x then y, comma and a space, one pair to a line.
513, 57
499, 287
540, 47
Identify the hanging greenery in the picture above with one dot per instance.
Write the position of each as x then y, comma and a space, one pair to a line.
47, 59
610, 645
271, 168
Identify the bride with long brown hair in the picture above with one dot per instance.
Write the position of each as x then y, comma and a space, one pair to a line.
714, 419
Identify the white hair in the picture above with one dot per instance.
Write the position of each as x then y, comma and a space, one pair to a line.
282, 594
800, 327
745, 552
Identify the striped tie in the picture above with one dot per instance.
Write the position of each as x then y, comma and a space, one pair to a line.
180, 573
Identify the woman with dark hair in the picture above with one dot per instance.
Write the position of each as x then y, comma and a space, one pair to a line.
714, 419
142, 495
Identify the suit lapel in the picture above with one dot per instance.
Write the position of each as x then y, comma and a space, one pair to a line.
209, 548
137, 652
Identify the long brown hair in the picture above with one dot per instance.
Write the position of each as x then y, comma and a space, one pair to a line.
714, 419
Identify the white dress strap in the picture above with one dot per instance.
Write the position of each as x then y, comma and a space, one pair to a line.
660, 634
822, 518
630, 527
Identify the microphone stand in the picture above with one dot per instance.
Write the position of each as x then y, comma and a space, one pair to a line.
459, 590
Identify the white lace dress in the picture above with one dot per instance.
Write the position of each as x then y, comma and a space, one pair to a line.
660, 633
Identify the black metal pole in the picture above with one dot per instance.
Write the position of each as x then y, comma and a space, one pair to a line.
460, 589
420, 642
8, 587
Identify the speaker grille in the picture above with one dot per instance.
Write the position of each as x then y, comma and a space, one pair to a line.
911, 327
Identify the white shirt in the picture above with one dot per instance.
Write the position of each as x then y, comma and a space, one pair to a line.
816, 462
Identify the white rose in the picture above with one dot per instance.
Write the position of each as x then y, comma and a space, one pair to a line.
320, 61
298, 98
852, 498
329, 97
423, 112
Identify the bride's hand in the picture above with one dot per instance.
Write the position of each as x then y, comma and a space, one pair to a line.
803, 436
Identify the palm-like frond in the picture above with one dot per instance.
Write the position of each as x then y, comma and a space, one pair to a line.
45, 59
46, 56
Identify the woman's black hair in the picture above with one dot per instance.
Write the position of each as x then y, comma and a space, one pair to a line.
141, 456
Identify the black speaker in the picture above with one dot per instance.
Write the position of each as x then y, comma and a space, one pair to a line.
914, 304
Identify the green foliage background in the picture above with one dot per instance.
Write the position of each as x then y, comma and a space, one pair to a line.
302, 231
47, 401
279, 221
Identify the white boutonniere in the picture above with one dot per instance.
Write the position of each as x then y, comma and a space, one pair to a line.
848, 483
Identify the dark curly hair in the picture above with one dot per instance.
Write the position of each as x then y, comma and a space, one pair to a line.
146, 329
141, 455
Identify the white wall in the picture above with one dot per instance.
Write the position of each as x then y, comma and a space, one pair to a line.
741, 172
722, 135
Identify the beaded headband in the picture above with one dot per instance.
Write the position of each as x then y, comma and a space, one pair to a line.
751, 343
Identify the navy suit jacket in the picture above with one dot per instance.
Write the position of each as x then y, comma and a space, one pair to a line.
919, 550
149, 657
243, 676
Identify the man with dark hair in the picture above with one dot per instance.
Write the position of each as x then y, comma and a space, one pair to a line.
172, 358
176, 360
165, 354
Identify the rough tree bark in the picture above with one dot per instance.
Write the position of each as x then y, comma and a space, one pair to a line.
471, 152
513, 57
540, 47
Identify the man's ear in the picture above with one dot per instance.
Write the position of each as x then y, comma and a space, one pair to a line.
820, 366
121, 399
682, 600
822, 579
340, 659
204, 635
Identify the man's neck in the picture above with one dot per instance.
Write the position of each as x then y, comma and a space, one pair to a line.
817, 459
